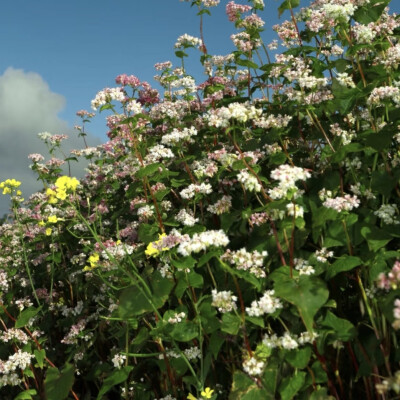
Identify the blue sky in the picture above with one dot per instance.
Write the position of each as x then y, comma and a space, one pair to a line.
57, 54
79, 47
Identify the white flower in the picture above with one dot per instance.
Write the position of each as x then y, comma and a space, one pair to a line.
118, 360
178, 317
106, 96
193, 189
345, 203
187, 40
192, 353
267, 304
288, 342
250, 182
247, 261
295, 210
387, 213
303, 267
158, 152
134, 107
224, 301
200, 242
176, 136
186, 218
253, 366
345, 79
323, 255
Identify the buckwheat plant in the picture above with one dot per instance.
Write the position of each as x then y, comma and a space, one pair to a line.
235, 238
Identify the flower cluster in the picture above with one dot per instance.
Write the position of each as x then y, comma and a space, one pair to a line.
247, 261
9, 186
63, 185
287, 177
289, 340
344, 203
267, 304
387, 213
201, 241
390, 280
224, 301
253, 366
193, 189
106, 96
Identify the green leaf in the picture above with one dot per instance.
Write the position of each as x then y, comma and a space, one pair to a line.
375, 237
287, 5
107, 106
135, 301
208, 316
244, 388
238, 165
185, 332
307, 293
148, 233
291, 385
345, 98
378, 140
180, 54
40, 356
383, 183
247, 276
341, 65
58, 384
370, 12
55, 257
344, 263
205, 258
185, 280
149, 170
159, 195
184, 262
231, 323
117, 377
258, 321
321, 394
299, 358
204, 11
343, 330
246, 63
216, 341
26, 315
141, 337
26, 395
270, 376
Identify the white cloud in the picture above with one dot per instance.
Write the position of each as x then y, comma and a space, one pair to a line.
28, 107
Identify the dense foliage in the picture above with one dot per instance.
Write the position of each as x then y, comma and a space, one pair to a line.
234, 239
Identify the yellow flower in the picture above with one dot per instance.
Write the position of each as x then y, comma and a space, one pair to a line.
67, 183
52, 219
52, 196
207, 393
191, 397
94, 259
61, 194
152, 251
48, 231
42, 223
6, 190
11, 183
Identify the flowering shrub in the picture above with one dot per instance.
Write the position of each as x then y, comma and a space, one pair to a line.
234, 239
